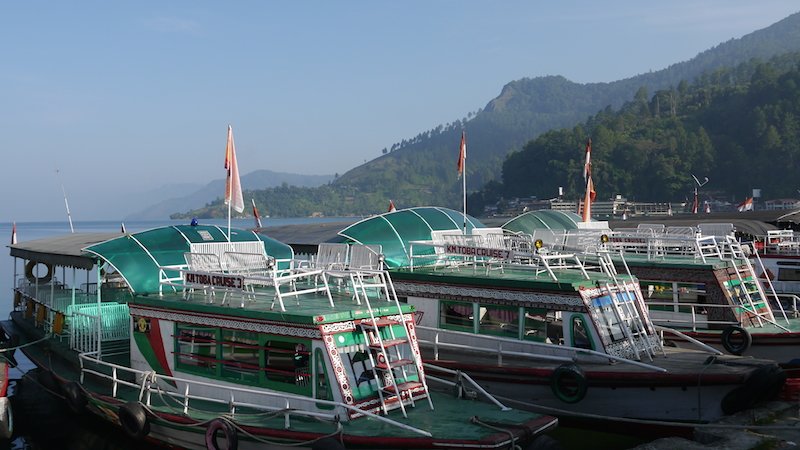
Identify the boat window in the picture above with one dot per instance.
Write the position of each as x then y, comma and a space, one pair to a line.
536, 323
323, 387
456, 316
581, 338
785, 274
197, 349
241, 355
499, 321
609, 318
287, 362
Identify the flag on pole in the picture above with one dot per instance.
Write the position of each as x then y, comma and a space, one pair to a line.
587, 176
255, 213
746, 205
463, 153
233, 186
14, 234
391, 206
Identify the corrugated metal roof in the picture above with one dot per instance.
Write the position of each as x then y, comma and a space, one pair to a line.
66, 250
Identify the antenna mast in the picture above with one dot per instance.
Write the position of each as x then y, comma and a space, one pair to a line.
66, 203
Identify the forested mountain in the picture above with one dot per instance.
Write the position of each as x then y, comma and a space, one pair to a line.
740, 127
421, 170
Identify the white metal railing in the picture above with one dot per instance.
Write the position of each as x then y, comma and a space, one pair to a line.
85, 331
469, 250
261, 399
697, 316
694, 341
494, 345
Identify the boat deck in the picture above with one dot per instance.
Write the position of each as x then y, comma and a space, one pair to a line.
310, 308
508, 276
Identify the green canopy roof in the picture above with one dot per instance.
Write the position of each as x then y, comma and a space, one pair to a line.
394, 230
545, 218
137, 255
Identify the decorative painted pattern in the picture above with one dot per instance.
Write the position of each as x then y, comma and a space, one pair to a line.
485, 295
220, 321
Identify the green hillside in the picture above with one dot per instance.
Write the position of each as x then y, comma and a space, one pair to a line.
421, 170
740, 127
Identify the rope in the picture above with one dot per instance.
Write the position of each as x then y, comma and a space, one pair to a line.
250, 418
6, 349
475, 420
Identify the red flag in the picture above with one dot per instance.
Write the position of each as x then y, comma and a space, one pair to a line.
746, 205
587, 176
463, 153
233, 186
391, 206
255, 213
587, 167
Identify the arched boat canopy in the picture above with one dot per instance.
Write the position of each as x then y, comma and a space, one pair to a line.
137, 256
394, 230
545, 218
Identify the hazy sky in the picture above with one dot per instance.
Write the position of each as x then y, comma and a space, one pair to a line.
129, 96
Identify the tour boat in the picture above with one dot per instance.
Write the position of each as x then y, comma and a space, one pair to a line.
194, 336
547, 331
700, 280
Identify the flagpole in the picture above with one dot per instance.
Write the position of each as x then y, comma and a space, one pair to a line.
464, 191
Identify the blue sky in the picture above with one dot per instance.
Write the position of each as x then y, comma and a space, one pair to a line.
125, 97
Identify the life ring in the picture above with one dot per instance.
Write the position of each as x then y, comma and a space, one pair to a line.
731, 331
75, 398
6, 419
231, 438
32, 277
133, 419
569, 383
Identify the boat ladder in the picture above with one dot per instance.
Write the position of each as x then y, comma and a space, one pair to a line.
391, 356
750, 292
630, 319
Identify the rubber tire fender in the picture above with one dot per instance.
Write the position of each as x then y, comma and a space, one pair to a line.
6, 419
75, 398
31, 277
569, 373
728, 332
133, 419
231, 438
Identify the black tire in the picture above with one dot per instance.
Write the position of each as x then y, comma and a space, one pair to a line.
75, 398
231, 438
729, 338
133, 419
763, 385
569, 383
